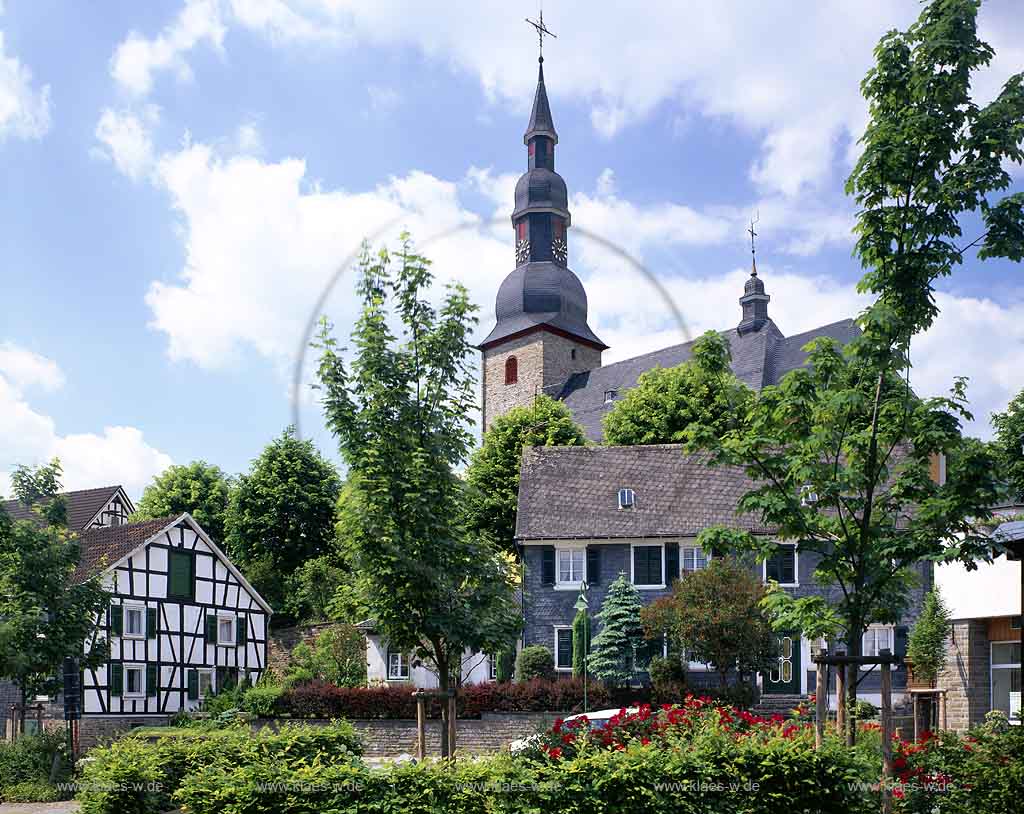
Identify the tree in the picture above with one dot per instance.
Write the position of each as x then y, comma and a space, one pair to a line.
580, 642
714, 616
666, 401
840, 452
493, 473
337, 656
926, 648
401, 413
281, 514
614, 647
45, 615
1008, 446
199, 488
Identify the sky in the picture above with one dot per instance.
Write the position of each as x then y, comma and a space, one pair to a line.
182, 180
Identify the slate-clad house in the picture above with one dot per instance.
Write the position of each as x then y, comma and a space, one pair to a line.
590, 513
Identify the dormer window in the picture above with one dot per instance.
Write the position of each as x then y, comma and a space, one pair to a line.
626, 498
511, 370
610, 396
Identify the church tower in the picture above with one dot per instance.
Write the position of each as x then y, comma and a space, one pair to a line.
541, 336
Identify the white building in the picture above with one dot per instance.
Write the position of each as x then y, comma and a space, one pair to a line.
388, 665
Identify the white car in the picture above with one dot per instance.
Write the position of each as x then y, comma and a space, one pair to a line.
597, 719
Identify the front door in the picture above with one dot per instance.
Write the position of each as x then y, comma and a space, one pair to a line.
784, 677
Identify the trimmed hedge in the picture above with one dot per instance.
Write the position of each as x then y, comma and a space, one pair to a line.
319, 700
136, 776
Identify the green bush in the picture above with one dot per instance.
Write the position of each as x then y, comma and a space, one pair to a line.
30, 791
666, 671
535, 661
865, 711
136, 776
337, 656
30, 758
261, 701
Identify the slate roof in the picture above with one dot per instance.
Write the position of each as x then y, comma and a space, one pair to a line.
572, 493
541, 122
82, 506
759, 359
100, 548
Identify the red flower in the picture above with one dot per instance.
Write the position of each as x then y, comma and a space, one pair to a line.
644, 741
558, 725
555, 753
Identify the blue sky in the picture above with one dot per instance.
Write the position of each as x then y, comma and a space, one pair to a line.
181, 180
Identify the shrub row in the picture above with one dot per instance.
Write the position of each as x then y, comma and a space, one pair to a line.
319, 700
25, 767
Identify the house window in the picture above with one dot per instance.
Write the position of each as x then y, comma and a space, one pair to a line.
692, 558
226, 630
876, 639
134, 623
398, 665
781, 566
627, 498
492, 667
205, 683
610, 396
649, 566
572, 353
134, 680
572, 563
563, 648
181, 574
1006, 688
511, 370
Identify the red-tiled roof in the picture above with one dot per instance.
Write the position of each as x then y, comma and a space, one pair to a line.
82, 506
102, 547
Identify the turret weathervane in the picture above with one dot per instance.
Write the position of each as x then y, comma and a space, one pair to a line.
541, 31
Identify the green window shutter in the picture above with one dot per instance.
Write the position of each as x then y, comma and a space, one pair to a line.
193, 685
116, 620
181, 574
116, 675
211, 628
152, 680
241, 629
150, 623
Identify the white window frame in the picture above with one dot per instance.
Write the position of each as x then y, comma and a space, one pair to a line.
572, 584
683, 548
632, 566
199, 682
891, 631
796, 568
1009, 665
555, 649
403, 658
141, 693
221, 619
492, 667
626, 498
129, 607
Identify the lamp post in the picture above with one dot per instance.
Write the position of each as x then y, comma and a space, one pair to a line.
582, 604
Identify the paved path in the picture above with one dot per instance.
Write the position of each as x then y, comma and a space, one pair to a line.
67, 807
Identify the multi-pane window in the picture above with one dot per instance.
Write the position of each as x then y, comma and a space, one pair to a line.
205, 683
563, 648
134, 622
692, 558
1005, 671
875, 640
492, 667
398, 665
647, 565
781, 566
134, 680
571, 565
226, 630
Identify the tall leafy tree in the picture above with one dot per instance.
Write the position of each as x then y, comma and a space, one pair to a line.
281, 515
927, 645
45, 615
199, 488
620, 636
401, 412
666, 401
715, 616
840, 451
493, 473
1008, 446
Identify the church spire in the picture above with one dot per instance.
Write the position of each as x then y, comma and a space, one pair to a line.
754, 301
541, 123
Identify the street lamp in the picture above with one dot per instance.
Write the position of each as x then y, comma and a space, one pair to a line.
582, 604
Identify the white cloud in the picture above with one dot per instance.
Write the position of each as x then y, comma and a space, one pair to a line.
117, 455
24, 107
137, 59
126, 139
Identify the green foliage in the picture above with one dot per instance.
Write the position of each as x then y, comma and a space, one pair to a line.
580, 641
926, 647
865, 711
224, 707
199, 488
621, 633
1008, 445
29, 760
715, 616
281, 515
535, 661
666, 401
44, 615
402, 416
666, 672
505, 669
136, 776
30, 791
493, 473
262, 700
337, 656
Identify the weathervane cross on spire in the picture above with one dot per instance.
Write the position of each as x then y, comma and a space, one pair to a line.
753, 234
541, 31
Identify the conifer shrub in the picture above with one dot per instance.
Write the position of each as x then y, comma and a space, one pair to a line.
535, 661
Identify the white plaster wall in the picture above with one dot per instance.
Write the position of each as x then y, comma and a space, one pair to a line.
992, 589
475, 669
